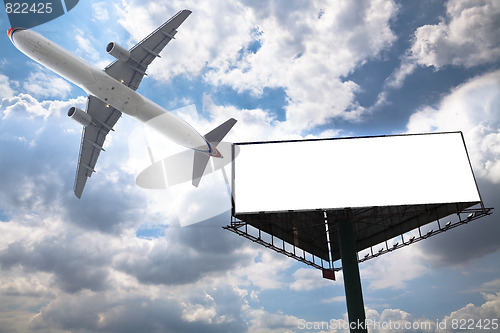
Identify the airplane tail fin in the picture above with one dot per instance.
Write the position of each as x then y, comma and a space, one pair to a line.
214, 137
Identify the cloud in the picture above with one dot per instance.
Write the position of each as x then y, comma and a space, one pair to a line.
39, 172
263, 322
73, 270
62, 277
334, 299
264, 272
481, 314
5, 89
27, 104
141, 310
473, 108
252, 124
211, 35
394, 270
210, 251
86, 47
396, 320
78, 265
100, 11
307, 54
468, 36
311, 278
70, 264
396, 79
42, 84
491, 285
461, 246
305, 50
77, 280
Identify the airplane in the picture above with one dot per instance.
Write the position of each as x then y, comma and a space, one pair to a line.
112, 91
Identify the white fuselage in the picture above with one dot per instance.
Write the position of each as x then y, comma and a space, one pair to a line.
98, 83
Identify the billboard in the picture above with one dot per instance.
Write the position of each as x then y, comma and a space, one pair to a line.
326, 174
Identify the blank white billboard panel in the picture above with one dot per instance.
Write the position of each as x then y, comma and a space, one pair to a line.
354, 172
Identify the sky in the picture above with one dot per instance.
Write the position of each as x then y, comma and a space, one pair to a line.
122, 260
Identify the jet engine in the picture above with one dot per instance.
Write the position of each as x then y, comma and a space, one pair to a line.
80, 116
118, 51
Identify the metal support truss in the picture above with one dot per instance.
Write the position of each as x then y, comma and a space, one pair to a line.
362, 219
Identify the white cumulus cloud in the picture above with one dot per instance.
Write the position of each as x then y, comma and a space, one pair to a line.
305, 50
474, 109
27, 104
6, 90
468, 36
42, 84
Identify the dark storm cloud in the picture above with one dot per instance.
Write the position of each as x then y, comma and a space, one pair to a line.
470, 241
38, 160
104, 206
38, 164
26, 171
99, 312
209, 237
74, 268
189, 254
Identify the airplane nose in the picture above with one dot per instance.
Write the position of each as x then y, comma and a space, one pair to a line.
11, 32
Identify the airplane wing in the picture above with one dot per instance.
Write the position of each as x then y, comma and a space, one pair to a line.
133, 70
93, 136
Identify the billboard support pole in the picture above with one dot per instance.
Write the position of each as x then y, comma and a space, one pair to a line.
350, 269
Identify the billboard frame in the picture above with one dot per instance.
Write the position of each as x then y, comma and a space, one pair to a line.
341, 233
290, 243
234, 195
